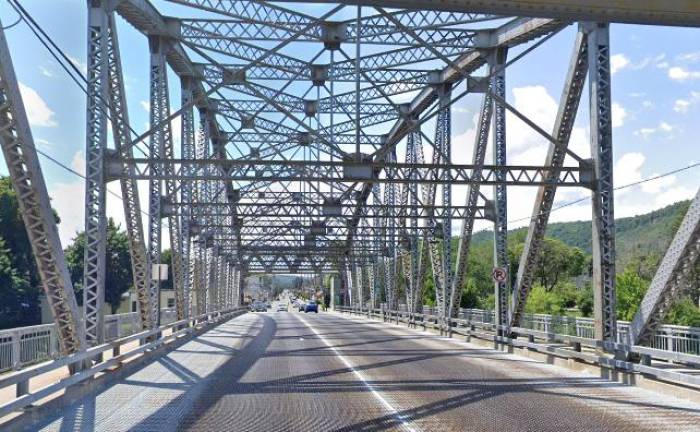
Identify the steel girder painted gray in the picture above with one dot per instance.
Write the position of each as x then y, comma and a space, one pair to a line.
672, 278
95, 185
28, 182
564, 123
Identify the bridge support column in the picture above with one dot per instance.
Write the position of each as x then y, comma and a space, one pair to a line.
603, 201
95, 185
500, 243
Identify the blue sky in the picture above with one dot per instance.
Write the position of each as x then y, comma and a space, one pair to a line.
656, 94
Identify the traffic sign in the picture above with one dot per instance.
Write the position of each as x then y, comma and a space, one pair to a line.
499, 274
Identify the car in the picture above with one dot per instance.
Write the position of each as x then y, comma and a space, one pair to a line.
311, 306
258, 307
301, 306
281, 307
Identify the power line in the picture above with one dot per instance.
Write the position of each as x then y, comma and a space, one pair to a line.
625, 186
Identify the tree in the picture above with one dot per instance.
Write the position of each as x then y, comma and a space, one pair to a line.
630, 291
18, 305
118, 276
21, 286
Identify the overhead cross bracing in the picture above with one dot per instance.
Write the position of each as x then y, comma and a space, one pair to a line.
320, 140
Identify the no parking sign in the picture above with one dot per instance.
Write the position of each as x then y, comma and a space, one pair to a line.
499, 274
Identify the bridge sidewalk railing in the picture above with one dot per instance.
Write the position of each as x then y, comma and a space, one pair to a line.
23, 346
662, 364
90, 362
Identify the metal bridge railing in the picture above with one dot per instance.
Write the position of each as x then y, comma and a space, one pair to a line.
553, 335
23, 346
673, 338
86, 364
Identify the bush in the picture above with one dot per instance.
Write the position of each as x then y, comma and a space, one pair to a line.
544, 302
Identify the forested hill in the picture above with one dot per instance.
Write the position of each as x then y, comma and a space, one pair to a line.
645, 235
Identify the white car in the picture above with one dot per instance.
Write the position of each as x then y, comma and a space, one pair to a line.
282, 307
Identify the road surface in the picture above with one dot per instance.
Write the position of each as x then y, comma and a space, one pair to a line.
289, 371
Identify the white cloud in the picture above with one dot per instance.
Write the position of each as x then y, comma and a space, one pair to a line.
678, 73
618, 115
46, 71
618, 62
38, 112
146, 105
628, 169
663, 127
43, 143
683, 105
647, 104
647, 196
78, 162
692, 57
79, 64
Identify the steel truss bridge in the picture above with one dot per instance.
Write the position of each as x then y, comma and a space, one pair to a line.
322, 143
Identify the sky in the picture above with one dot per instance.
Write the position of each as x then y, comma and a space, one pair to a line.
656, 111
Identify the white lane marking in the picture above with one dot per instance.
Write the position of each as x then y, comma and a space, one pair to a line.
406, 422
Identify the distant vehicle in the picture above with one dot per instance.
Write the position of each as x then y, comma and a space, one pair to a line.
258, 307
311, 306
281, 307
301, 305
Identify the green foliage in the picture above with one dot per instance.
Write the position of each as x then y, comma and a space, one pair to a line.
684, 312
543, 301
17, 299
118, 276
557, 262
630, 291
584, 301
20, 285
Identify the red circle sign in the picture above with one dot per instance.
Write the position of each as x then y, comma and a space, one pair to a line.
499, 274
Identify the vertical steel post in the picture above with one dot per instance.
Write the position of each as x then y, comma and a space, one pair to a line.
158, 100
187, 149
603, 201
500, 251
95, 185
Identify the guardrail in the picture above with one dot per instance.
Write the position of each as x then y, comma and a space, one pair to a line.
673, 338
605, 354
90, 362
24, 346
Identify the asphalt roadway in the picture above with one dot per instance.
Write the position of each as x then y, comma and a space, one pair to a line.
290, 371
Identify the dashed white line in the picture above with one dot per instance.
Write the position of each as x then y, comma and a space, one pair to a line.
406, 423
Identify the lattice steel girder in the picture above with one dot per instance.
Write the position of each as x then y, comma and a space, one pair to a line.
95, 185
672, 278
668, 12
384, 34
300, 138
311, 107
478, 158
563, 125
318, 73
603, 203
27, 179
270, 170
513, 33
316, 210
119, 116
510, 34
